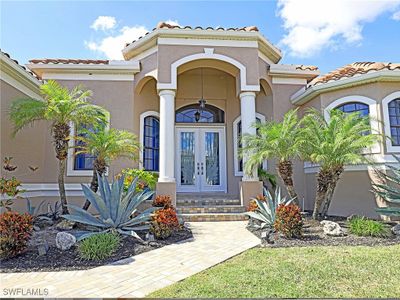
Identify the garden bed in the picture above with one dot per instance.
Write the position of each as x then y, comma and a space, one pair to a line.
58, 260
314, 236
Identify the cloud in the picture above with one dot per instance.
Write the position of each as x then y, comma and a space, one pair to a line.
172, 22
312, 25
104, 23
396, 16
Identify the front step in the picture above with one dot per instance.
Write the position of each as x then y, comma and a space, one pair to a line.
207, 202
210, 209
213, 217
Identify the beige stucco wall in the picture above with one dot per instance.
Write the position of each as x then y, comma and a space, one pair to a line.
352, 195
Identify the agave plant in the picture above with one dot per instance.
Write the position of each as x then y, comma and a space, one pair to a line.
390, 190
266, 209
117, 210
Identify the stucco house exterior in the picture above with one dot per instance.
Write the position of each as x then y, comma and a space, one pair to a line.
193, 144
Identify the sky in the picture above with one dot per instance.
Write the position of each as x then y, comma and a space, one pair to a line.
325, 33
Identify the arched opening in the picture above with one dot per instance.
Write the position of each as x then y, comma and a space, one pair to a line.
194, 114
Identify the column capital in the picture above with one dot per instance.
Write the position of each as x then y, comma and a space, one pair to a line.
166, 92
247, 94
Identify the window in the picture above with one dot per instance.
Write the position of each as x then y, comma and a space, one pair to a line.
351, 107
210, 114
237, 132
82, 161
394, 121
150, 139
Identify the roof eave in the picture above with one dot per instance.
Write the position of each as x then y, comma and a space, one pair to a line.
305, 95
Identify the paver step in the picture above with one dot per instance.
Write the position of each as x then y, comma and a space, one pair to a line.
207, 202
211, 209
213, 217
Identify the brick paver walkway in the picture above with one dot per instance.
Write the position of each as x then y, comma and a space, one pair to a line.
140, 275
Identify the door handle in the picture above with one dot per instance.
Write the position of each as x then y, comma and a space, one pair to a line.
198, 168
202, 168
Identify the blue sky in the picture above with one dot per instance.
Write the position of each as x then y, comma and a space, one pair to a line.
328, 33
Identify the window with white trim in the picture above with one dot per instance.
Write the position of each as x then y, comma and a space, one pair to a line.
82, 161
150, 140
237, 143
394, 121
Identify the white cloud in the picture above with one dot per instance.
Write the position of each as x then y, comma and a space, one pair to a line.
396, 16
315, 24
104, 23
172, 22
112, 46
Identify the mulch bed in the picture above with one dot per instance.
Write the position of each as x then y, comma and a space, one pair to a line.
58, 260
314, 236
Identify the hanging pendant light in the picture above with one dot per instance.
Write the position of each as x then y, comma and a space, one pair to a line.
202, 101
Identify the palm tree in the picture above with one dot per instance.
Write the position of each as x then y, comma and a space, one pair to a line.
332, 144
106, 145
275, 140
60, 107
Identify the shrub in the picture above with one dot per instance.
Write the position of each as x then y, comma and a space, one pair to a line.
364, 227
15, 232
162, 201
99, 246
165, 222
289, 221
145, 179
253, 204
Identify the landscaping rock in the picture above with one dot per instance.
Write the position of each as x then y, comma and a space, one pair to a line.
43, 248
267, 236
65, 240
65, 225
396, 229
333, 228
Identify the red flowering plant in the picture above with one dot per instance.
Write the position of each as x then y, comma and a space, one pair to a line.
165, 220
253, 204
289, 221
15, 232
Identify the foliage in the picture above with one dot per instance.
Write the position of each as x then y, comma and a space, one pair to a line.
389, 190
253, 204
289, 221
52, 213
15, 232
162, 201
146, 179
117, 210
10, 187
99, 246
364, 227
165, 222
332, 144
265, 213
60, 107
275, 140
265, 176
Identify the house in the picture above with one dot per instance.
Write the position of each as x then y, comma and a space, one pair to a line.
188, 93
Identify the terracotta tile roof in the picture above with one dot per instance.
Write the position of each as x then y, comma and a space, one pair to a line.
21, 66
306, 68
354, 69
164, 25
69, 61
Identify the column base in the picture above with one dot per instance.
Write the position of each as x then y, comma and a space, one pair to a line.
167, 188
249, 190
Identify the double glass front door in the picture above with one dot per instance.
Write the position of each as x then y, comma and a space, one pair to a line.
200, 159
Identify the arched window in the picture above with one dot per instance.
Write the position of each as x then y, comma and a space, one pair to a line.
209, 114
151, 143
394, 121
351, 107
237, 143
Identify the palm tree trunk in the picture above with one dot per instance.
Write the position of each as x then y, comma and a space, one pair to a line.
99, 167
61, 132
331, 190
285, 171
324, 180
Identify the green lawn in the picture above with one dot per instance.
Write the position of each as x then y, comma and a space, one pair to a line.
297, 272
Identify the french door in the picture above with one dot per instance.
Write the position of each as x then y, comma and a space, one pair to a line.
200, 159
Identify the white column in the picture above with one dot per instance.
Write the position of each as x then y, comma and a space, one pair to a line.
167, 136
248, 117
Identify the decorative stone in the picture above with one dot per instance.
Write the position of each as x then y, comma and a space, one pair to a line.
396, 229
333, 228
150, 237
43, 248
65, 225
65, 240
267, 236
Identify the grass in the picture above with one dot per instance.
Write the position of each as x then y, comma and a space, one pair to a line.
364, 227
333, 272
98, 246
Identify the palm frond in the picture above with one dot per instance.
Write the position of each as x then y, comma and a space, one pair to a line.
24, 112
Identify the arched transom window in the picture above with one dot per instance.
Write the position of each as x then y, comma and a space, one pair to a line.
209, 114
351, 107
